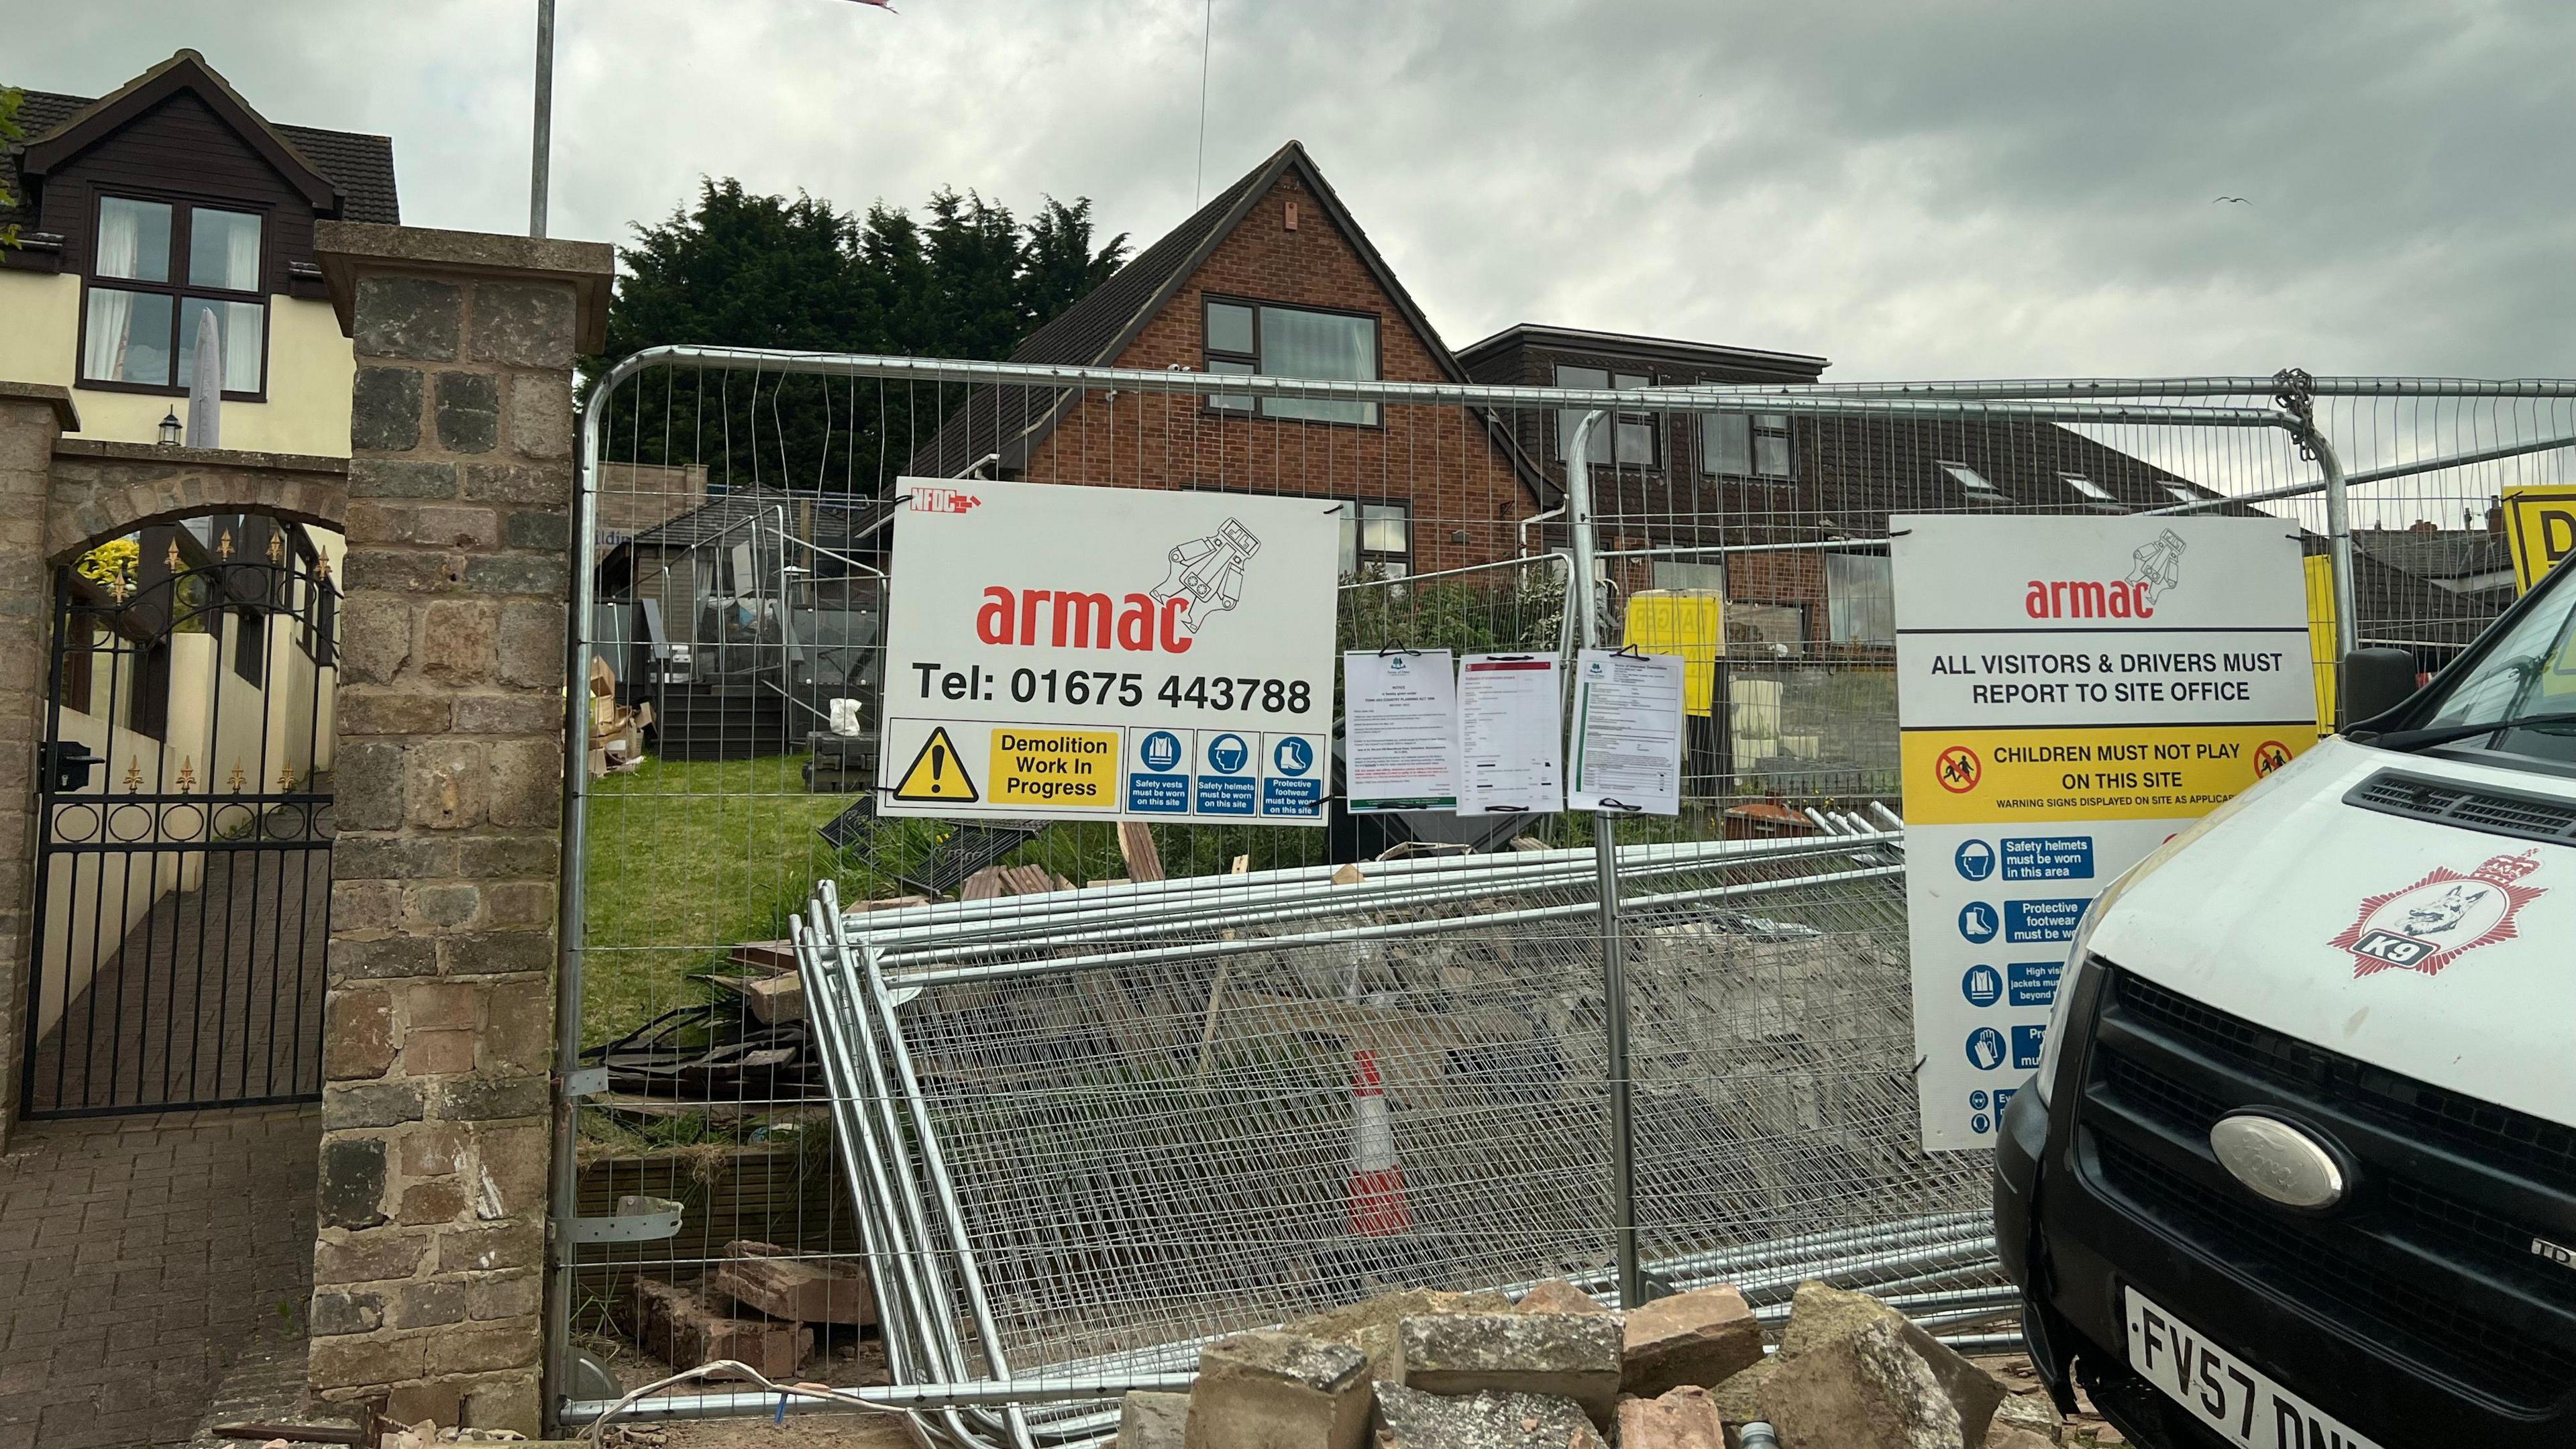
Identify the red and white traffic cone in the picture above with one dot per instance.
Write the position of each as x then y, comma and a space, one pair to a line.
1378, 1207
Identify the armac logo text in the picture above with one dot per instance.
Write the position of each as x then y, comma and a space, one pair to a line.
2157, 569
1071, 618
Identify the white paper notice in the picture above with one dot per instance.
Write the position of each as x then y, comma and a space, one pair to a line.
1627, 733
1403, 730
1510, 735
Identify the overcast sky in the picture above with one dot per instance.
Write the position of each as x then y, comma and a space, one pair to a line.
1912, 190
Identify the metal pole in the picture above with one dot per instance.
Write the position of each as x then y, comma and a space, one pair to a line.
543, 140
1605, 848
2347, 608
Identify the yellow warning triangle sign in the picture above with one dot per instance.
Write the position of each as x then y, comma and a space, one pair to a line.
936, 773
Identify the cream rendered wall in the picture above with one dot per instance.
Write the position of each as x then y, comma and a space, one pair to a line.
310, 366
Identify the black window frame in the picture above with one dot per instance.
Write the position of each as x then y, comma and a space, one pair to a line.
1209, 356
1362, 556
1759, 428
183, 209
1615, 381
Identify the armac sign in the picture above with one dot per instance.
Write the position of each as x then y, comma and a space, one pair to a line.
1109, 653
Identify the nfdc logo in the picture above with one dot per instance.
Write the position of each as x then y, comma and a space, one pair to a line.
1958, 769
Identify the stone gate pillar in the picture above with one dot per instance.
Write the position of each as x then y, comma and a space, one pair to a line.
428, 1271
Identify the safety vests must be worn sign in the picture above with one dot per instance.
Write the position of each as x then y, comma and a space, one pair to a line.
1108, 653
2070, 693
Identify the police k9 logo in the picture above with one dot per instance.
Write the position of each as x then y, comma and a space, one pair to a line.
2440, 918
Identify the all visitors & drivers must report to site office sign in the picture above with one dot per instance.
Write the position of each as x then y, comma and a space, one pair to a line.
1108, 654
2071, 691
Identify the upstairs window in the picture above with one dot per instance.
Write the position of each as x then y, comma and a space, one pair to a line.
1377, 541
2092, 492
1745, 445
1260, 339
2182, 494
162, 274
1624, 439
1972, 480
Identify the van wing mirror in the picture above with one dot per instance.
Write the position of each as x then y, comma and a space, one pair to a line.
2376, 681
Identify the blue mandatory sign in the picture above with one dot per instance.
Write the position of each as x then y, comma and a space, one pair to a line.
1985, 1049
1977, 1101
1292, 756
2027, 1041
1983, 986
1161, 750
2028, 921
1979, 1124
1977, 922
1976, 860
2034, 983
1228, 754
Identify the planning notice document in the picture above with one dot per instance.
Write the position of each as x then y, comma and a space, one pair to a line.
1627, 733
1403, 729
1510, 743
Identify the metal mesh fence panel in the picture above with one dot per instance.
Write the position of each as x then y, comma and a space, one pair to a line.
1146, 1097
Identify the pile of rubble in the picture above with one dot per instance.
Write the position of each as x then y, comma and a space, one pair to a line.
1425, 1369
759, 1306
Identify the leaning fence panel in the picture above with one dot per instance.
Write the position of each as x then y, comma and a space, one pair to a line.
1141, 1057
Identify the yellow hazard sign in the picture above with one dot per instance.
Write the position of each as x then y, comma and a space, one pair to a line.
937, 773
2540, 527
2112, 772
1066, 769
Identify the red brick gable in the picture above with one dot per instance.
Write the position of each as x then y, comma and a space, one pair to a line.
1466, 498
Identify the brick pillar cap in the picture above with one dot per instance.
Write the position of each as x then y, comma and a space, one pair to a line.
348, 250
66, 417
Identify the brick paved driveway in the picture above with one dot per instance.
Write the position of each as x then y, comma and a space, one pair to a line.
138, 1256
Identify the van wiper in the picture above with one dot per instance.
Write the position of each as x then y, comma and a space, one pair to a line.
2418, 739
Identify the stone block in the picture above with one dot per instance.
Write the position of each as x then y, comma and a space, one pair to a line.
404, 570
370, 1257
1685, 1418
483, 1347
399, 478
358, 1031
2013, 1436
1273, 1390
517, 573
442, 907
446, 785
684, 1332
1558, 1296
538, 528
460, 641
540, 416
1558, 1355
1369, 1325
366, 907
437, 1053
384, 409
370, 711
366, 786
439, 1200
527, 782
370, 1105
489, 1248
2027, 1414
1148, 1420
336, 1312
1820, 1314
801, 1290
520, 483
353, 960
508, 714
365, 1359
1864, 1389
433, 1149
351, 1193
497, 953
507, 1296
468, 411
489, 857
1411, 1419
439, 1003
491, 1099
375, 641
502, 1401
528, 904
1703, 1337
523, 324
428, 1305
532, 647
407, 317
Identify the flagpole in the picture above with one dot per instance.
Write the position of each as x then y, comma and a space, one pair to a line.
543, 139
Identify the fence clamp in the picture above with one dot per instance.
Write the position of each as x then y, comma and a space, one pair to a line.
585, 1082
638, 1219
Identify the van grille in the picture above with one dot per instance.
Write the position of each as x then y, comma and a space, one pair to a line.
2469, 1303
2495, 812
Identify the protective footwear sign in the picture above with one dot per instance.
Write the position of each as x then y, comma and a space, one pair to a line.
2070, 693
1109, 653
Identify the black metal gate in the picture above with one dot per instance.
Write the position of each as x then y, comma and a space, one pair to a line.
183, 876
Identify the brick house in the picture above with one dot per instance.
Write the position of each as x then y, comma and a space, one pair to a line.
1273, 276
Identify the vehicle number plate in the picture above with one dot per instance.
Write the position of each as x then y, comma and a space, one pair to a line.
2230, 1396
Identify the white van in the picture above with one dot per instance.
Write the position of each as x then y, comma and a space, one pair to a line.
2298, 1170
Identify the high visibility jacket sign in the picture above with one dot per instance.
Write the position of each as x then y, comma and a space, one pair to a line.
2069, 693
1109, 653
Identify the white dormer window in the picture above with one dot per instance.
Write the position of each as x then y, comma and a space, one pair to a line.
2182, 494
1972, 480
2093, 492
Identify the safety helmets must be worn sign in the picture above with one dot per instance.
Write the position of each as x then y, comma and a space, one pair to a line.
1109, 653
